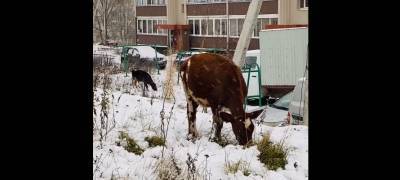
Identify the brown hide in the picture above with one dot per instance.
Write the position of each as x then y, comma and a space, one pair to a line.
213, 81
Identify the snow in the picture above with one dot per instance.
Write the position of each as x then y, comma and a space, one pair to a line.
148, 52
254, 52
272, 117
140, 117
275, 117
107, 51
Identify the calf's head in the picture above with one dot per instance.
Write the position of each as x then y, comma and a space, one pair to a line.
243, 127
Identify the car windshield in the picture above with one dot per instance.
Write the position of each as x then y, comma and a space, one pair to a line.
283, 102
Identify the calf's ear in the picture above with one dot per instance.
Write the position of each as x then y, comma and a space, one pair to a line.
226, 117
254, 114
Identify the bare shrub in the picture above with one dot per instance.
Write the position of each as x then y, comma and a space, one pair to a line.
167, 168
107, 120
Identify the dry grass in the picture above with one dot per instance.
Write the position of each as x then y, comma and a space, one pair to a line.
235, 167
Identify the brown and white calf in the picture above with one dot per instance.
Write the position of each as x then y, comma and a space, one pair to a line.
213, 81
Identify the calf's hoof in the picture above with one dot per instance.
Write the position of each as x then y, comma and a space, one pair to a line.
191, 137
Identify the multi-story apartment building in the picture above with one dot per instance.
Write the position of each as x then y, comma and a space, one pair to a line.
293, 11
197, 24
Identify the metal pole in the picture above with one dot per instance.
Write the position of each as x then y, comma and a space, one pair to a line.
156, 60
227, 25
305, 116
135, 23
259, 85
248, 84
125, 60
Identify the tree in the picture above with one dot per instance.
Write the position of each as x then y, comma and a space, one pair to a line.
102, 10
114, 19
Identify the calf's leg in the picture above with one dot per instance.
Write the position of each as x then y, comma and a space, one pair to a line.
191, 113
217, 124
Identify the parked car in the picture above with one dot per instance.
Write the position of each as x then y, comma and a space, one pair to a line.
283, 102
109, 43
183, 56
276, 113
140, 55
296, 106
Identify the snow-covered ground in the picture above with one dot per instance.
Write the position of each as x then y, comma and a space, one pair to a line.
113, 53
140, 117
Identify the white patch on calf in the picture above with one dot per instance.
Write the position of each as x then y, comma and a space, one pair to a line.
247, 123
206, 68
203, 102
227, 110
190, 106
187, 70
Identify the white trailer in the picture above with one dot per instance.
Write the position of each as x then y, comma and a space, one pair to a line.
283, 54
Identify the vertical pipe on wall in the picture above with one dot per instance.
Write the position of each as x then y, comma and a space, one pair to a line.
227, 25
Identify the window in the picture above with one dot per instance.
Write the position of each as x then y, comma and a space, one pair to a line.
148, 26
140, 26
209, 1
204, 27
239, 0
165, 31
264, 22
257, 29
274, 21
210, 27
144, 26
217, 26
303, 4
160, 31
197, 1
261, 24
235, 26
196, 27
223, 26
240, 25
150, 2
233, 31
155, 31
191, 26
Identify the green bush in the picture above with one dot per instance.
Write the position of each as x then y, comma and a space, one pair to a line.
155, 141
272, 155
131, 145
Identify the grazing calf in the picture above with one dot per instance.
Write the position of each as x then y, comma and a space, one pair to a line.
143, 76
212, 81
